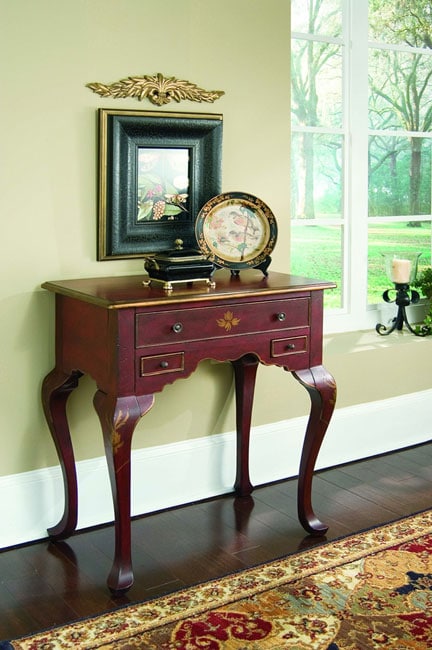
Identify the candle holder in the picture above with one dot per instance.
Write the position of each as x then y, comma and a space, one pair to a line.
401, 269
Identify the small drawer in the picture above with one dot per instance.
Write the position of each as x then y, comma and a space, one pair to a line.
289, 346
161, 363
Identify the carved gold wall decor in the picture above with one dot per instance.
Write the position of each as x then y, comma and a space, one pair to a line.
157, 88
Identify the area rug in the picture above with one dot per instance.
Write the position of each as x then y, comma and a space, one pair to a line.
370, 590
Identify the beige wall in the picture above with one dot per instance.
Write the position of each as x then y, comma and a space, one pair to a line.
49, 50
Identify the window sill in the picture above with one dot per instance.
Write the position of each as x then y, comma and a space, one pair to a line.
365, 340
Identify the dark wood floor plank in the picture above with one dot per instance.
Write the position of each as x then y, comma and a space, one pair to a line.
40, 602
407, 465
45, 584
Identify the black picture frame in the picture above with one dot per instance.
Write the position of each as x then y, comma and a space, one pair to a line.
143, 207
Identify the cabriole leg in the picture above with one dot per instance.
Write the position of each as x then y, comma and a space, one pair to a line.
322, 391
118, 417
245, 370
56, 388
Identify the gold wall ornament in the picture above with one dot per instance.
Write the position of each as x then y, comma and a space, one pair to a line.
157, 88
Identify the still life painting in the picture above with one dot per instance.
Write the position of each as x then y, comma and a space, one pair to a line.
163, 182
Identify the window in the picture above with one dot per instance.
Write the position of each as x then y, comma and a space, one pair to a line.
361, 146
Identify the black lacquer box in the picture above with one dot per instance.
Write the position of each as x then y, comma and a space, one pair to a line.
178, 265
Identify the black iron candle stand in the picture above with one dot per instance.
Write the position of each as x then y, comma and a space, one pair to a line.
404, 297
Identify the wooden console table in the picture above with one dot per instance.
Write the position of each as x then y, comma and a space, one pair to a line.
133, 340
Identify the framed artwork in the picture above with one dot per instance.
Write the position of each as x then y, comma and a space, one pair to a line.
156, 171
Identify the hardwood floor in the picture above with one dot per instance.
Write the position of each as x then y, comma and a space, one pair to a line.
44, 585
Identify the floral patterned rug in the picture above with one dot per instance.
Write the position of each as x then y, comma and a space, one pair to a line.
371, 590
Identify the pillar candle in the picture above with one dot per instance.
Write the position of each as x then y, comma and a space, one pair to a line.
401, 271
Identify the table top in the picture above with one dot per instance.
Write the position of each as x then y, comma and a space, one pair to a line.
120, 292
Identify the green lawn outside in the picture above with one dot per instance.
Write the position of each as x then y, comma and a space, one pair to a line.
316, 252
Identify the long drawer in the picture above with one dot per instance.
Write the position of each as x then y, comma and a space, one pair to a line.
174, 326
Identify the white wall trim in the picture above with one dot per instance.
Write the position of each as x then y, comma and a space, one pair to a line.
169, 475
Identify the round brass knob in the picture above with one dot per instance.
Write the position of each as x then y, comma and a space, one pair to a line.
177, 328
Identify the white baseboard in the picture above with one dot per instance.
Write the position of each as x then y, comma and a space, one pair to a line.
183, 472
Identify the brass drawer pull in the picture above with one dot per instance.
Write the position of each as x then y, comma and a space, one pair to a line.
177, 328
281, 316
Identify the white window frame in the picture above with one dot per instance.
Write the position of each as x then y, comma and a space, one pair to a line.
355, 314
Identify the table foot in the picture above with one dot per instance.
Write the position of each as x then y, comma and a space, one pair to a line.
56, 388
118, 417
120, 578
322, 391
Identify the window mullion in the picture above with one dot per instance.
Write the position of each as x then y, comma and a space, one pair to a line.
357, 195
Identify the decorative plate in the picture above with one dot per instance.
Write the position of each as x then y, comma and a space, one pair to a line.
237, 231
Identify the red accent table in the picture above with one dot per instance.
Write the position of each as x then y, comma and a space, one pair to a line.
134, 339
